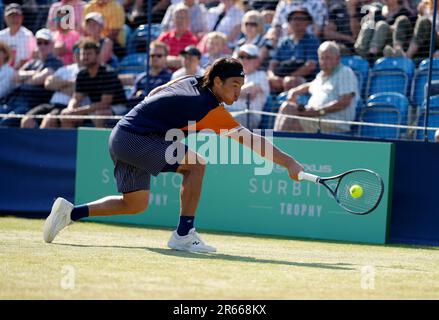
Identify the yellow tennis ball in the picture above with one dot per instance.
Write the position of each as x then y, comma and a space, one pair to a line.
356, 191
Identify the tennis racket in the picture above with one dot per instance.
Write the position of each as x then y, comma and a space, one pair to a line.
370, 183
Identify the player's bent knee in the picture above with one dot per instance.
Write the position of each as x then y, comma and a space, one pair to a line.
136, 202
137, 207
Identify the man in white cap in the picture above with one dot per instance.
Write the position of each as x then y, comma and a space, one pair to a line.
18, 38
255, 91
30, 80
93, 26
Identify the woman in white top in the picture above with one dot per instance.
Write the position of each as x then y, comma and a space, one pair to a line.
6, 71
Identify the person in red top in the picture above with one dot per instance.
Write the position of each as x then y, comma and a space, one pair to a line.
179, 38
140, 148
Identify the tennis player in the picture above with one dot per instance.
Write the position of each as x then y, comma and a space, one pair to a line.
138, 147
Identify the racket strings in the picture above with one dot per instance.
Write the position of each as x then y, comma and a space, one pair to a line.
372, 189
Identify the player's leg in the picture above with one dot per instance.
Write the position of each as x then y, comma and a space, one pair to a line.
128, 203
185, 237
64, 213
132, 182
192, 169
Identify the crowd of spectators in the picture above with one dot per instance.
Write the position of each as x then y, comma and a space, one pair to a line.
65, 57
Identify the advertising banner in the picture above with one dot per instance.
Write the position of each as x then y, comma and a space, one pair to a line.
244, 193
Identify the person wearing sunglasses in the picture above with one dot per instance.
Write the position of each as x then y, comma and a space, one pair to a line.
255, 91
295, 59
30, 79
333, 96
158, 75
62, 84
252, 28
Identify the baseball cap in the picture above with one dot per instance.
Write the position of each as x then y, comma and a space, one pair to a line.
13, 8
249, 49
95, 16
44, 34
191, 51
296, 10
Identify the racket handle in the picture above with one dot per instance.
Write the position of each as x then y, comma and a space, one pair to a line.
308, 176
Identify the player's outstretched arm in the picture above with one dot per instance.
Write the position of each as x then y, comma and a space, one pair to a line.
267, 150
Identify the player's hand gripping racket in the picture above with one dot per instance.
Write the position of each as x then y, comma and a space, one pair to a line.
358, 191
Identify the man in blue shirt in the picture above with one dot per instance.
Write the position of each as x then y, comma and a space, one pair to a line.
159, 74
295, 60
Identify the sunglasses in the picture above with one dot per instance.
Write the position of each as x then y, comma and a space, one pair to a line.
156, 55
251, 24
246, 57
302, 19
43, 43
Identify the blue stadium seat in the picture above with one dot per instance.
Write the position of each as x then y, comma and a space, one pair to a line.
137, 41
417, 94
385, 108
433, 118
361, 68
133, 63
359, 107
392, 74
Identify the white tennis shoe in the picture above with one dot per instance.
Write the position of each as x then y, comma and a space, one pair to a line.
190, 242
58, 219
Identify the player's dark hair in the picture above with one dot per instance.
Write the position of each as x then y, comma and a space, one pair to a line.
223, 68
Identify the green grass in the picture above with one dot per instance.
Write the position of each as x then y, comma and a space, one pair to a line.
117, 262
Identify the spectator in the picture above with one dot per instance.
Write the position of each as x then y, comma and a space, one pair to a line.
178, 38
261, 5
137, 11
436, 136
381, 26
333, 96
191, 63
20, 40
62, 82
357, 9
114, 18
267, 16
64, 39
30, 79
295, 59
420, 42
255, 90
338, 26
6, 71
198, 17
158, 74
99, 84
316, 8
226, 18
63, 5
94, 24
215, 45
252, 28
